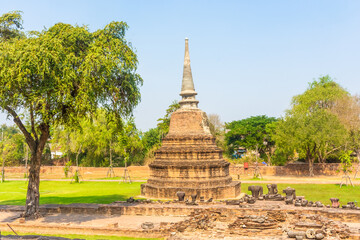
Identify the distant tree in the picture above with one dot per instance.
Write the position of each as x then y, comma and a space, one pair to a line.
250, 133
216, 125
11, 25
130, 144
217, 129
13, 145
347, 109
11, 148
164, 122
61, 74
152, 138
311, 136
100, 142
309, 127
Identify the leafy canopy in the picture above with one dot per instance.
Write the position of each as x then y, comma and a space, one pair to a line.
98, 140
309, 127
66, 71
250, 133
10, 25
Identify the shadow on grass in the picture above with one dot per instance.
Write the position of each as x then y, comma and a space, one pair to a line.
98, 199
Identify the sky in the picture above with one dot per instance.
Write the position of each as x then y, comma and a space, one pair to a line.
248, 58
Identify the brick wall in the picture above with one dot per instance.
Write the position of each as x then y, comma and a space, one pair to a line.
143, 172
56, 172
292, 169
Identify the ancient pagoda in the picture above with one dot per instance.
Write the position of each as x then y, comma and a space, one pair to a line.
189, 160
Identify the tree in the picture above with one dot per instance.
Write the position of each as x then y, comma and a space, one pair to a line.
10, 26
129, 144
347, 109
61, 74
216, 126
152, 138
250, 133
310, 135
164, 122
13, 145
101, 141
11, 148
309, 128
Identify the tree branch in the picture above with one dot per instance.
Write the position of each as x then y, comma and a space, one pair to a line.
21, 126
333, 150
45, 132
33, 122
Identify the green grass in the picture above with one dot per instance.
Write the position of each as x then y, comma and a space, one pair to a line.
87, 237
257, 179
316, 192
60, 192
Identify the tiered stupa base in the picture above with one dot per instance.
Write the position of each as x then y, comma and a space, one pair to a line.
189, 161
232, 190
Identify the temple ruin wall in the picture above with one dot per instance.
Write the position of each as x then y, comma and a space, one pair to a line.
143, 172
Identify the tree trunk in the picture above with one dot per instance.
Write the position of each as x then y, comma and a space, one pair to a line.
110, 155
311, 167
33, 192
3, 171
26, 161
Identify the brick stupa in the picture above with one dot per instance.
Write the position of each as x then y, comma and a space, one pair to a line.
189, 159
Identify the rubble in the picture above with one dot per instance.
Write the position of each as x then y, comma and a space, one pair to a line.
181, 196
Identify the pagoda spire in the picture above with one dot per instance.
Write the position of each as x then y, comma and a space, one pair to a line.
187, 88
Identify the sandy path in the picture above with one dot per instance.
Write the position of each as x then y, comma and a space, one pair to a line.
91, 220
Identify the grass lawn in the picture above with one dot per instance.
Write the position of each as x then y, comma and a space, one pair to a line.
87, 237
60, 192
316, 192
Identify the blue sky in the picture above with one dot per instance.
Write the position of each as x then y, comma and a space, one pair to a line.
248, 58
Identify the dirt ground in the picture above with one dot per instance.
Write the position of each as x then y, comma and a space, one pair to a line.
91, 220
130, 225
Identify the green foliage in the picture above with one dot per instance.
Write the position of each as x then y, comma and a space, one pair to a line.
347, 109
280, 158
11, 146
309, 128
10, 25
250, 133
66, 169
164, 122
76, 176
346, 162
152, 139
131, 145
67, 71
99, 142
309, 135
249, 157
321, 94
